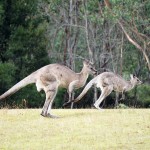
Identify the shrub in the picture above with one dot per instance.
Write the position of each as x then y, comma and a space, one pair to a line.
143, 95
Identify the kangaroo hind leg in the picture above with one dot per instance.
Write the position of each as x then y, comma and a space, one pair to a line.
50, 86
51, 92
104, 93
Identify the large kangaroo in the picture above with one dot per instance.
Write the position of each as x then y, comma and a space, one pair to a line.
49, 78
107, 82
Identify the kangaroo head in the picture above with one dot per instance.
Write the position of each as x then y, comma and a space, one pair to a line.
134, 80
89, 67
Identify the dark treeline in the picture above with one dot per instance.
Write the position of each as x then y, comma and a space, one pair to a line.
113, 34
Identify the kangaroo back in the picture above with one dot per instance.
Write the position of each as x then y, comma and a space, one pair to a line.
87, 87
28, 80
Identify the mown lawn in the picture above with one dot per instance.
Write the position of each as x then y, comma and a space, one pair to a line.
77, 129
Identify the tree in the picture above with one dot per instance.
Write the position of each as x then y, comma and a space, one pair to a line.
23, 44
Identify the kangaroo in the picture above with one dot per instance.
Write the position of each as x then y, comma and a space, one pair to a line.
107, 82
49, 78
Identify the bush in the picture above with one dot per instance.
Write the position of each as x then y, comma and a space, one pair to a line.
59, 99
122, 106
7, 73
143, 95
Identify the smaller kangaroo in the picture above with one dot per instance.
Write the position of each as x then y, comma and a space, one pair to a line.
49, 78
107, 82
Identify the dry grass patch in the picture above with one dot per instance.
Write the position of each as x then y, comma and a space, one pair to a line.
77, 129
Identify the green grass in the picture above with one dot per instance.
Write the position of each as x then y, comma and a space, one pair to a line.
77, 129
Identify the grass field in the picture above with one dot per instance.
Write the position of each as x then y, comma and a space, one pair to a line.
77, 129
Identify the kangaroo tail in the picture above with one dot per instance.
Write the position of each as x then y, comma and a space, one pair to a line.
87, 87
28, 80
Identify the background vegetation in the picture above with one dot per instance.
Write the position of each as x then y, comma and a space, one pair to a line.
114, 34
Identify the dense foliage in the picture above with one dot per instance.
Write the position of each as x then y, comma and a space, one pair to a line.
114, 34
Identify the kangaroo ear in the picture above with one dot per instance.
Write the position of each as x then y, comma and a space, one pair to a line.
91, 63
134, 75
86, 62
131, 75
